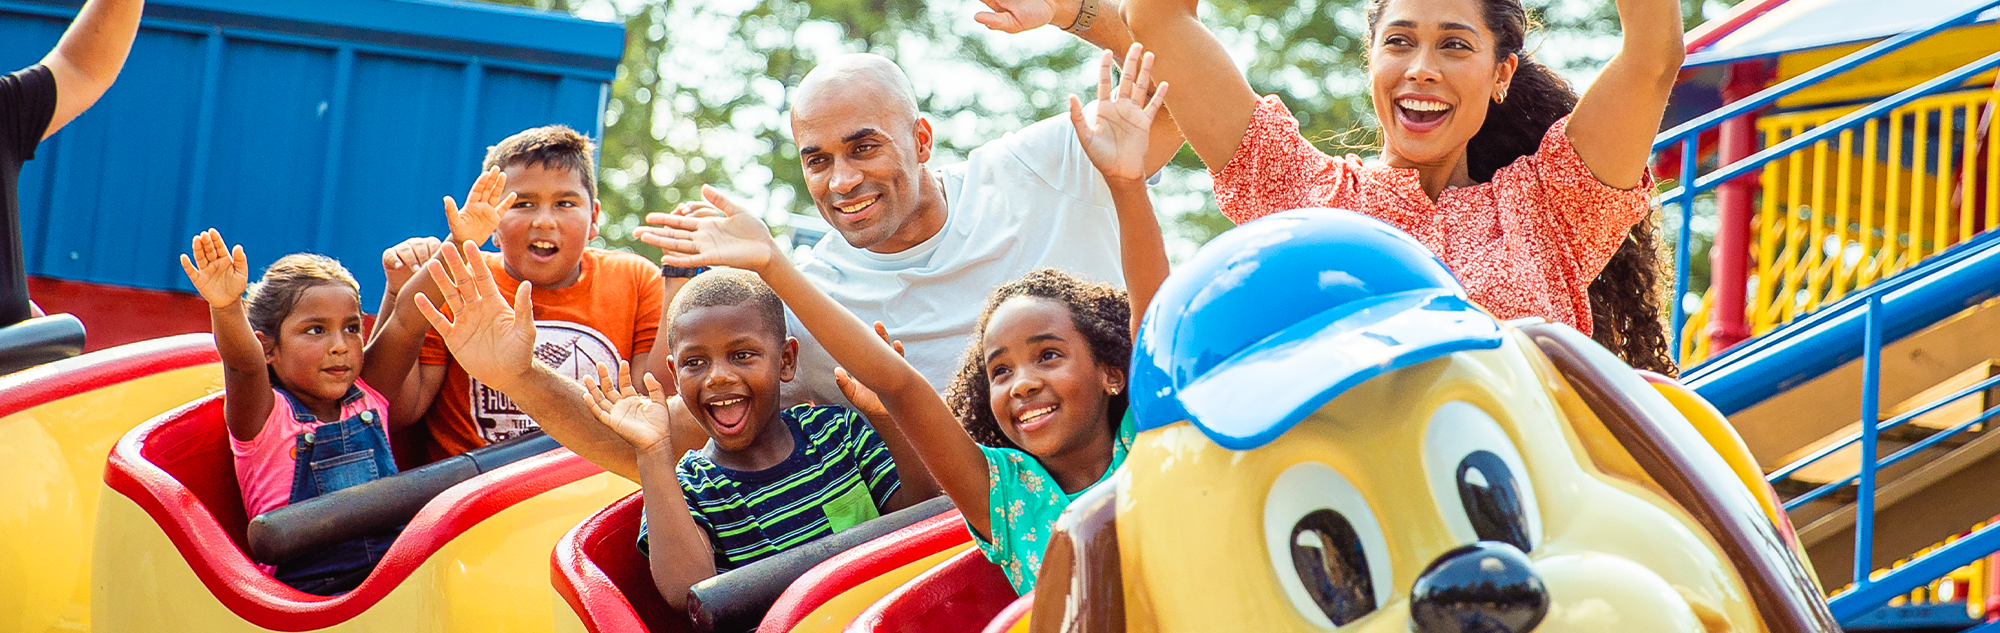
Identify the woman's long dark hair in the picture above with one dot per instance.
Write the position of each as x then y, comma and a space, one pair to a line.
1626, 298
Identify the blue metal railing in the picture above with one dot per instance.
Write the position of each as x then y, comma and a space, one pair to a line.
1868, 593
1688, 136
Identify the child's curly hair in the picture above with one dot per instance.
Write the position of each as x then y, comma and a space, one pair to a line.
274, 296
1101, 312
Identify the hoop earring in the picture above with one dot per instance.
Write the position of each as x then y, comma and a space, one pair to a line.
1501, 97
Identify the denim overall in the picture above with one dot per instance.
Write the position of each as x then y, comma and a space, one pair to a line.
331, 457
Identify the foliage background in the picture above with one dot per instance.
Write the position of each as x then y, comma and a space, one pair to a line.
700, 95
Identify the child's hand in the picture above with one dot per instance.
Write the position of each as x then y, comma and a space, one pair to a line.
1116, 141
863, 398
641, 420
483, 205
218, 273
730, 236
401, 262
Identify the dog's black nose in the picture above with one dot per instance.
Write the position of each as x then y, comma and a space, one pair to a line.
1485, 587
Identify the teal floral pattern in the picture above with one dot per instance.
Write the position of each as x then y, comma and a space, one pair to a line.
1025, 503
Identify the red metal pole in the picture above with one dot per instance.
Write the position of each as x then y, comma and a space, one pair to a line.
1729, 258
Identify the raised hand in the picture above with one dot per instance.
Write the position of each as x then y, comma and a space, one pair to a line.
400, 262
1116, 141
641, 420
730, 236
1014, 16
483, 205
492, 340
219, 273
863, 398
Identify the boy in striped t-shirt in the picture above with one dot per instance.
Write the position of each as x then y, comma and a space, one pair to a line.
769, 479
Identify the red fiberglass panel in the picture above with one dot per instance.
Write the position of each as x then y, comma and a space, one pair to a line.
959, 596
599, 572
861, 564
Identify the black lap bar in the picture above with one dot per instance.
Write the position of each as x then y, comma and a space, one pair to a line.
279, 535
736, 601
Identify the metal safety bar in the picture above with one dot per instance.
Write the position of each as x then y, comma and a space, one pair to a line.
1688, 135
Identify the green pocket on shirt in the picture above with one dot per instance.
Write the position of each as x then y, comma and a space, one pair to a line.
849, 509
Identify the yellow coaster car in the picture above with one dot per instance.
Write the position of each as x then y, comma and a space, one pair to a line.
162, 548
1332, 437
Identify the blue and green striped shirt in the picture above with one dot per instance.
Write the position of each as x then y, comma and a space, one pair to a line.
838, 475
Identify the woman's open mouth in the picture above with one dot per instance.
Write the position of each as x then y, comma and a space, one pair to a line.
729, 413
1421, 115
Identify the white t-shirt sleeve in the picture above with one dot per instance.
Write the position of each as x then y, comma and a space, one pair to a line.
1050, 150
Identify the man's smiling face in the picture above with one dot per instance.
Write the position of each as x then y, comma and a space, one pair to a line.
863, 150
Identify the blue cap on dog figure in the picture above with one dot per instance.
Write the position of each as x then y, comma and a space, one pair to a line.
1274, 318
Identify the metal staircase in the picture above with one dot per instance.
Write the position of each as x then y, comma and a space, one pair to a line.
1874, 269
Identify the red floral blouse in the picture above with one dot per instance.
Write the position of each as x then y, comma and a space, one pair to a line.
1527, 243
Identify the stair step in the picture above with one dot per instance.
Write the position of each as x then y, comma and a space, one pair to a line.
1846, 462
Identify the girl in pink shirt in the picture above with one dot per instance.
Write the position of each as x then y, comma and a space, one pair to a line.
301, 421
1534, 197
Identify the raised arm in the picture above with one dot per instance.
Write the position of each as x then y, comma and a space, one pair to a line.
679, 552
1212, 102
496, 345
1615, 120
740, 240
88, 57
220, 274
1116, 144
1105, 29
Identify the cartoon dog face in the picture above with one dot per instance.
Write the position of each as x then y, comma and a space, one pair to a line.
1451, 475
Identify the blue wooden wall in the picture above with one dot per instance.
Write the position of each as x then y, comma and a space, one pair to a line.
330, 126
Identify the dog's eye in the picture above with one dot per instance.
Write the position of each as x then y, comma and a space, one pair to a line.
1479, 479
1326, 547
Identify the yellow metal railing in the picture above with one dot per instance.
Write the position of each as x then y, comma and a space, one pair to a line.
1844, 213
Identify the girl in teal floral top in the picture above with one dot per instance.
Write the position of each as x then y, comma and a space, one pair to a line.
1043, 385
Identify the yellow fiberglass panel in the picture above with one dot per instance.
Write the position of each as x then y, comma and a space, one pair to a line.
836, 613
486, 580
51, 473
1201, 528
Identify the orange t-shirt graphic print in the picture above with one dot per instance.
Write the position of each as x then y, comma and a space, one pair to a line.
572, 349
612, 312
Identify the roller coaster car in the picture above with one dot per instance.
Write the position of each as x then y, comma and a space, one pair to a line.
169, 552
1333, 437
823, 586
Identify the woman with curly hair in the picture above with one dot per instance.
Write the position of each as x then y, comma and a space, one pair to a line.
1537, 199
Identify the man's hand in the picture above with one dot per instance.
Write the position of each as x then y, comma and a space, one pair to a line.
400, 262
1116, 142
863, 398
641, 419
734, 237
218, 273
1015, 16
483, 205
493, 341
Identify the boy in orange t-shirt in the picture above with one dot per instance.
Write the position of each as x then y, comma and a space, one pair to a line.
537, 199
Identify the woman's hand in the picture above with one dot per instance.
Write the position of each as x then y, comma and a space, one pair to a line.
1116, 140
641, 420
726, 236
219, 273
